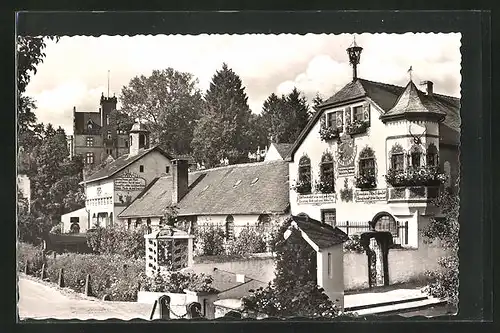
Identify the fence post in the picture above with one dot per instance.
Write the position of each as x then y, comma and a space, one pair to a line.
347, 227
61, 278
43, 274
193, 310
164, 306
26, 267
88, 287
406, 232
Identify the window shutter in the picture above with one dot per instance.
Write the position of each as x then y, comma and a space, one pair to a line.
347, 115
366, 112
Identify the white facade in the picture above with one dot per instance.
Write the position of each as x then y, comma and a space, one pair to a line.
107, 198
365, 204
81, 216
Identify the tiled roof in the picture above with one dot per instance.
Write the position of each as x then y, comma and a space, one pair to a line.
321, 234
253, 188
386, 96
122, 162
414, 101
153, 200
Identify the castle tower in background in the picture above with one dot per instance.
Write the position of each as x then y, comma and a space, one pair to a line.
96, 134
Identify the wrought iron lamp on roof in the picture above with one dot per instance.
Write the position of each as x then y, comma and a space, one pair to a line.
354, 52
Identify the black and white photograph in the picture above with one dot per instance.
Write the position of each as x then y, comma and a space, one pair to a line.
170, 176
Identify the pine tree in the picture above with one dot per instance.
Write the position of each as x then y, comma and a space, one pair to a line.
317, 101
223, 130
297, 105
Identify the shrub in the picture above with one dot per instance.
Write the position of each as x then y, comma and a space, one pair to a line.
248, 241
354, 244
209, 240
114, 275
117, 241
176, 282
34, 255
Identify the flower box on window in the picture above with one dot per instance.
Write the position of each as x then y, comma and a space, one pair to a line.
327, 132
302, 187
365, 181
325, 187
357, 127
421, 176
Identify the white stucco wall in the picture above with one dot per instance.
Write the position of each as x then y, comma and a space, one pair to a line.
380, 137
108, 202
82, 217
240, 221
272, 154
332, 281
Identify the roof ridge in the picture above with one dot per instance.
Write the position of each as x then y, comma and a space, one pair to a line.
240, 165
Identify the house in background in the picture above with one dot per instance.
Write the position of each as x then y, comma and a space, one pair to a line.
365, 132
231, 197
99, 134
112, 188
278, 151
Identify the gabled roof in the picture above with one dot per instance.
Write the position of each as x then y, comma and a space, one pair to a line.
121, 163
386, 96
322, 235
413, 101
153, 200
282, 148
252, 188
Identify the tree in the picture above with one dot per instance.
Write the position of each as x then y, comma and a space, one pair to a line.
294, 290
169, 102
317, 101
223, 129
29, 55
445, 229
286, 116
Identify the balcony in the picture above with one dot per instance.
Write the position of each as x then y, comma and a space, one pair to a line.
413, 194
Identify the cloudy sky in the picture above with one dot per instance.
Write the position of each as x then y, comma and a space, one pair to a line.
75, 70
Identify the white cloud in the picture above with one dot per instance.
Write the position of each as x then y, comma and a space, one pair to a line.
75, 70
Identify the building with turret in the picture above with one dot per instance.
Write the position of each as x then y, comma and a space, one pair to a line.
99, 134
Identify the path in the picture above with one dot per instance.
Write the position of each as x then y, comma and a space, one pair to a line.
38, 300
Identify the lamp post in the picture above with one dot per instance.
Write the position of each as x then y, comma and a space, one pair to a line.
354, 52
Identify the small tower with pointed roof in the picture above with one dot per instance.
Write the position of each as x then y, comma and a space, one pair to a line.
354, 52
139, 138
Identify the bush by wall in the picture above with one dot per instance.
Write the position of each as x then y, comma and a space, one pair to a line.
209, 240
33, 255
248, 241
131, 244
354, 245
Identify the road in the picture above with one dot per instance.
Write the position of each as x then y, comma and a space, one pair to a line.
38, 300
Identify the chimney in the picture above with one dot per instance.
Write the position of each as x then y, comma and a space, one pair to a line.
179, 179
429, 87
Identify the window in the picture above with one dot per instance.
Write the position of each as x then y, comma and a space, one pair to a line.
109, 135
138, 222
329, 264
305, 170
339, 120
89, 125
331, 119
358, 114
386, 222
230, 227
90, 141
107, 119
148, 225
367, 162
264, 221
129, 223
141, 168
397, 157
89, 158
415, 156
142, 140
329, 216
126, 144
327, 174
432, 156
167, 169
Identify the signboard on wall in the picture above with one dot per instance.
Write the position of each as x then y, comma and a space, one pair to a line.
127, 187
371, 195
316, 199
346, 154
